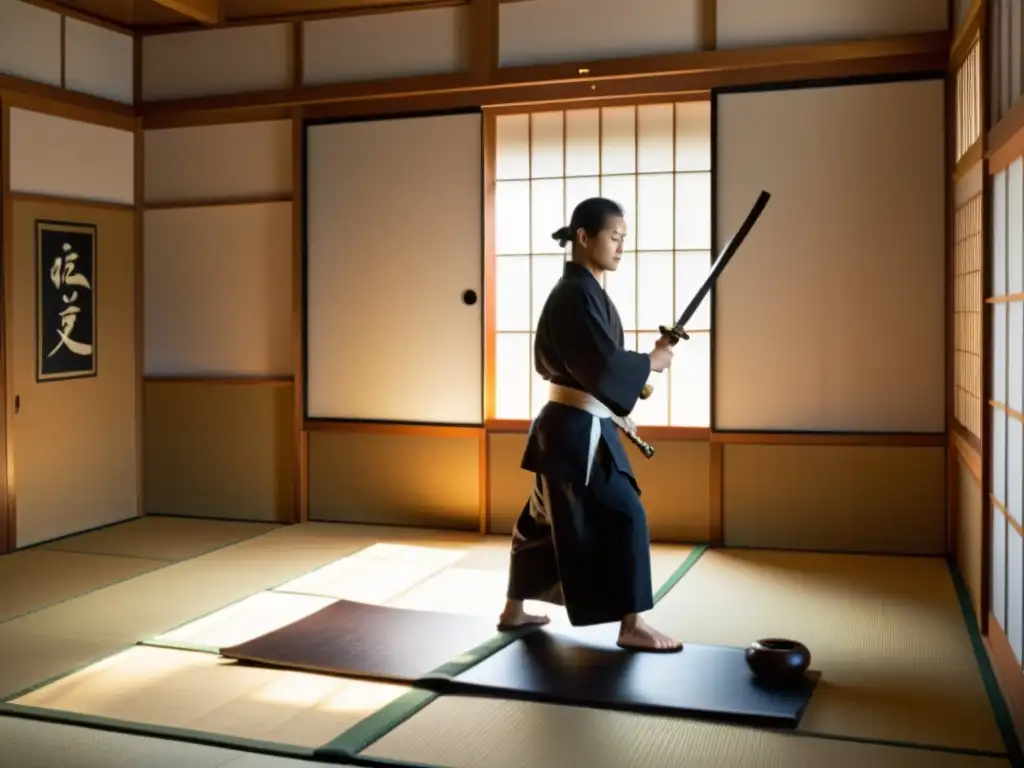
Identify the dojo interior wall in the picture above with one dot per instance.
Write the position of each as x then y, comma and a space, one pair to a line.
218, 306
831, 321
432, 475
74, 443
220, 198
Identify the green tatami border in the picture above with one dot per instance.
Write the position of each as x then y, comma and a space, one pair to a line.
988, 676
374, 727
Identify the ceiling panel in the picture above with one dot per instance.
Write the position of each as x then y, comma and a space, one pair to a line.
150, 14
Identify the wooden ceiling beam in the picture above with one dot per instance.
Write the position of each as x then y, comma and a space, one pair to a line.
484, 19
666, 73
209, 12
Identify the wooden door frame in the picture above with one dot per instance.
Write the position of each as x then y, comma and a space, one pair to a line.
8, 518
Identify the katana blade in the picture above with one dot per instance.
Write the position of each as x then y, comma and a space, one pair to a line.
677, 332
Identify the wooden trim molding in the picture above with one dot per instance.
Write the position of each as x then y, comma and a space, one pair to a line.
139, 150
708, 25
60, 102
484, 39
485, 483
966, 34
74, 13
487, 85
970, 457
876, 439
1006, 139
32, 197
356, 9
8, 512
63, 51
967, 437
683, 434
388, 428
206, 12
667, 73
974, 155
163, 205
716, 496
258, 381
300, 434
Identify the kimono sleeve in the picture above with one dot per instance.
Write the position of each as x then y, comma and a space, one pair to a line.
596, 359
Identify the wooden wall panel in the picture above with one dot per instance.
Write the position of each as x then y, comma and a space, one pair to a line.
219, 450
217, 61
68, 158
99, 61
237, 161
508, 485
549, 31
424, 42
30, 42
755, 22
675, 486
832, 318
220, 437
218, 290
970, 525
397, 478
887, 500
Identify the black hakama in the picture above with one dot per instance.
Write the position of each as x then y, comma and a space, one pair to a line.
582, 539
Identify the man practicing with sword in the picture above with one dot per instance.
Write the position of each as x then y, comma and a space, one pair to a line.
582, 540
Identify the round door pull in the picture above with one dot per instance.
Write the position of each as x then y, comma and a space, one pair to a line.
469, 298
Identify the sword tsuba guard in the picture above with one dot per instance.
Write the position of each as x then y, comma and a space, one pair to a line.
675, 333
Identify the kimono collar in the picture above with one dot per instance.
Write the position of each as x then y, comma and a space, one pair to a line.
574, 271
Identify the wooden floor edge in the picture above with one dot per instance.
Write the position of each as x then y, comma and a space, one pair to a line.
1009, 676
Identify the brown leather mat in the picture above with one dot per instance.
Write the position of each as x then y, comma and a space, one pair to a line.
372, 641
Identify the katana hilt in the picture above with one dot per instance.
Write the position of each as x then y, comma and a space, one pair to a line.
675, 334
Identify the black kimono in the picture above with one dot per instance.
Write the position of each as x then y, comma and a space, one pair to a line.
582, 540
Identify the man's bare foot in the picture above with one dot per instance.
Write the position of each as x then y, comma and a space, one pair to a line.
515, 616
636, 634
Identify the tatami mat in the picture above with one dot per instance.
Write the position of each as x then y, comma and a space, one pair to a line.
35, 744
414, 576
55, 640
243, 621
171, 688
886, 633
476, 585
464, 732
201, 691
161, 538
45, 578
